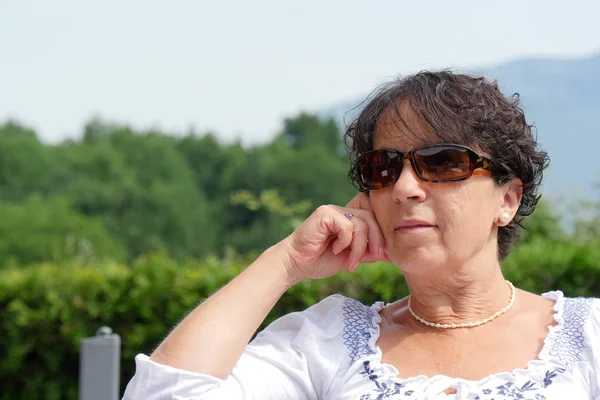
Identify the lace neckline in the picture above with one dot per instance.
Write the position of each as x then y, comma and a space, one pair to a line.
535, 368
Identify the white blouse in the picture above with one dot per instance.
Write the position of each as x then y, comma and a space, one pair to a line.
329, 352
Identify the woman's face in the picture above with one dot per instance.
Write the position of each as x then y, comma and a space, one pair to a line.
428, 225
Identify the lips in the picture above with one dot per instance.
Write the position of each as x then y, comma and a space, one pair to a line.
412, 224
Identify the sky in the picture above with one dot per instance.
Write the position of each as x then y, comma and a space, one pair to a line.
238, 68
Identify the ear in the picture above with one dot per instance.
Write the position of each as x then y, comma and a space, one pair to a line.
512, 193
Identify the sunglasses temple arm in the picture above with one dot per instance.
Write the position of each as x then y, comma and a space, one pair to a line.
484, 163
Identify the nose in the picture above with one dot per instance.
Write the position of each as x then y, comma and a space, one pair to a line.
408, 187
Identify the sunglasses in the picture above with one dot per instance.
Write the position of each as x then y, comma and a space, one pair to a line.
378, 169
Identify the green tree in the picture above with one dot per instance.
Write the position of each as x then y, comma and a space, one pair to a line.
205, 157
142, 188
543, 224
26, 165
307, 169
47, 229
307, 130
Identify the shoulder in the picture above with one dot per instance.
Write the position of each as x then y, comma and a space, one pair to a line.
326, 338
353, 318
574, 338
344, 325
575, 316
578, 313
335, 312
355, 325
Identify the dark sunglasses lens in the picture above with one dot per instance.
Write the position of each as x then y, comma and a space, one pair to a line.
379, 169
443, 163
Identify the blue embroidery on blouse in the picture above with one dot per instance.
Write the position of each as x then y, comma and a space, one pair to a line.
383, 391
570, 342
551, 375
567, 346
358, 325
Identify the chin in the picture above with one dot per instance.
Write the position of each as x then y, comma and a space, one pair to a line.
414, 259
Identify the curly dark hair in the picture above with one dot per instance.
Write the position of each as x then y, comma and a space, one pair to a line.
465, 110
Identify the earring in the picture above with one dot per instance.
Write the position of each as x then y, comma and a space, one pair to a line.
504, 217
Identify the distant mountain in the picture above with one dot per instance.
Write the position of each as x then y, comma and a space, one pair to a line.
562, 98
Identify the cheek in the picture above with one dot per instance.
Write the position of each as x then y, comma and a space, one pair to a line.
384, 208
465, 215
380, 203
472, 213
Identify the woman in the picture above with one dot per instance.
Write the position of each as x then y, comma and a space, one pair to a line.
447, 168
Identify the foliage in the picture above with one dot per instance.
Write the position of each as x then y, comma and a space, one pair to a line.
543, 223
154, 191
271, 201
39, 229
141, 187
26, 165
46, 309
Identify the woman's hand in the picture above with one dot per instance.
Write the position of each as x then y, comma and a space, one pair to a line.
328, 242
221, 326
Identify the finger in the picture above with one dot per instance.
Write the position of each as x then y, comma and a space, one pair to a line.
359, 244
376, 240
344, 230
375, 236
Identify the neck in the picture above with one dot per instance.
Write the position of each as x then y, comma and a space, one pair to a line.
466, 295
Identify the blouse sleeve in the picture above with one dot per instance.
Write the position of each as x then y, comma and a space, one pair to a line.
592, 336
295, 357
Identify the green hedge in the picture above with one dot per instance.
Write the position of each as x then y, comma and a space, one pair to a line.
45, 310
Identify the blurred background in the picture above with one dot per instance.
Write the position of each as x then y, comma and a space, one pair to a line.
149, 151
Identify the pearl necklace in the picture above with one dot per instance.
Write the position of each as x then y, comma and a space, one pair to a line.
467, 324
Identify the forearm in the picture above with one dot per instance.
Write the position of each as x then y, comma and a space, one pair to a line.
211, 339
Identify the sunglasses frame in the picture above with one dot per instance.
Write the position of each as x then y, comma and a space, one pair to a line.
476, 161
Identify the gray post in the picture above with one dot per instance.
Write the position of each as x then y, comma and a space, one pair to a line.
99, 366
